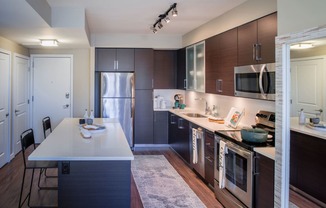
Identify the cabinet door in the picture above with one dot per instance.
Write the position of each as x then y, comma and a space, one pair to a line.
125, 59
209, 157
267, 31
247, 37
190, 67
211, 56
227, 60
200, 67
144, 65
183, 141
144, 117
181, 69
264, 182
164, 69
105, 59
173, 128
160, 127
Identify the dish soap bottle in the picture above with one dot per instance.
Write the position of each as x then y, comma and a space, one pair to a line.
302, 117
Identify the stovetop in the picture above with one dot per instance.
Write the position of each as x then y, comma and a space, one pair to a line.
264, 120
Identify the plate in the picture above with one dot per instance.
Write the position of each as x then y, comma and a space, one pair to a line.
94, 127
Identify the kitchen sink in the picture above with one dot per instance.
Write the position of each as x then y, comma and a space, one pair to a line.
195, 115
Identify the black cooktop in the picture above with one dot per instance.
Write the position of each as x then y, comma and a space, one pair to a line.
235, 136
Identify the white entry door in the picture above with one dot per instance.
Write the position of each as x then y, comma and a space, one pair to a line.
52, 90
4, 107
307, 87
20, 95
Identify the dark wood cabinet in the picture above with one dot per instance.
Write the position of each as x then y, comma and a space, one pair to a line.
143, 117
209, 157
165, 64
160, 127
264, 182
307, 166
256, 41
221, 58
179, 136
181, 69
114, 59
144, 69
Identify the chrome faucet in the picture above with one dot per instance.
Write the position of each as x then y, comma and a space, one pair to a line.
207, 109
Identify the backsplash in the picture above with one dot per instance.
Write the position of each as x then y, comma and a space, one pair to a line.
224, 104
168, 95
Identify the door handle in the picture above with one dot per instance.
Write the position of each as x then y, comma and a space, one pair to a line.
66, 106
67, 95
7, 114
16, 111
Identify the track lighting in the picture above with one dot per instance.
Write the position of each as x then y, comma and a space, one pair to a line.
165, 17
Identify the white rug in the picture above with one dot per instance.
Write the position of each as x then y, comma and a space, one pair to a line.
160, 185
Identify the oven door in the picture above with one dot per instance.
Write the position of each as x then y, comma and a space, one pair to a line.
255, 81
238, 172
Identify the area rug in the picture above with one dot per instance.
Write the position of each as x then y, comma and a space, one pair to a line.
160, 185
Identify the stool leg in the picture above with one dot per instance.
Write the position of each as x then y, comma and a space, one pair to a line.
21, 190
30, 188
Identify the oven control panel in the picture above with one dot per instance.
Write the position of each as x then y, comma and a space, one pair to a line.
266, 118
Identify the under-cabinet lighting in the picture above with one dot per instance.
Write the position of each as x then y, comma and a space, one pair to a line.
302, 46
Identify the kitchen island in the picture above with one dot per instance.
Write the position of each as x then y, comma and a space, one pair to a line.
92, 172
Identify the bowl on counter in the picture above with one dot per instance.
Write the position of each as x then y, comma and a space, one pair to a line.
256, 135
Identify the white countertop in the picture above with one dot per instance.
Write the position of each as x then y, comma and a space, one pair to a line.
295, 126
266, 151
65, 143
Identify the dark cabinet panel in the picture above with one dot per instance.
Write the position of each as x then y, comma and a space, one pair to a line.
144, 68
179, 136
165, 62
160, 127
264, 182
181, 69
209, 157
221, 58
307, 166
114, 59
143, 116
256, 41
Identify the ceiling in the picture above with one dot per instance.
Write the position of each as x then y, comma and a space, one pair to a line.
74, 23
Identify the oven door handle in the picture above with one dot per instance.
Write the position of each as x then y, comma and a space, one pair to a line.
237, 149
263, 68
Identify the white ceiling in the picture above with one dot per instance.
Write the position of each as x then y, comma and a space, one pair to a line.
21, 23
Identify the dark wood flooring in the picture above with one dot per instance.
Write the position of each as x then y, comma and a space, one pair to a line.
11, 178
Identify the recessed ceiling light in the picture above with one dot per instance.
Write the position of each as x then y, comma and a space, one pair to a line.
49, 42
301, 46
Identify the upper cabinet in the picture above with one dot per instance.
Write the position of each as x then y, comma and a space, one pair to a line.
165, 63
221, 58
181, 69
195, 67
144, 65
256, 41
114, 59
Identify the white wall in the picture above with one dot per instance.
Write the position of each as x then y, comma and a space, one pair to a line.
81, 76
246, 12
298, 15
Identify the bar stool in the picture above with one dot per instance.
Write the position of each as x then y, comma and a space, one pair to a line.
27, 140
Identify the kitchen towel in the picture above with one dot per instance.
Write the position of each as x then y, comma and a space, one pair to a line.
222, 152
194, 146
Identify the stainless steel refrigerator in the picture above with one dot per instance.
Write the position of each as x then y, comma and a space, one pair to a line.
117, 100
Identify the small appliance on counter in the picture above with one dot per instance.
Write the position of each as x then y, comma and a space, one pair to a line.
178, 101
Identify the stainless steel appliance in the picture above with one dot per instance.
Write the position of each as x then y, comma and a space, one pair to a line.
234, 163
117, 100
197, 152
255, 81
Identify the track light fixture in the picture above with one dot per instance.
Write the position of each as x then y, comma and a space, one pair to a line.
165, 17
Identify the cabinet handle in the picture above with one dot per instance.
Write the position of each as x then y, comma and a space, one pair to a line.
117, 65
172, 118
258, 52
254, 52
185, 83
153, 83
208, 144
180, 123
256, 169
209, 159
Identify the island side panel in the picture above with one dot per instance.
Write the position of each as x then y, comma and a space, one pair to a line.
94, 184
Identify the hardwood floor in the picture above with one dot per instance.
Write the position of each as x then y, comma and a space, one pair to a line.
11, 177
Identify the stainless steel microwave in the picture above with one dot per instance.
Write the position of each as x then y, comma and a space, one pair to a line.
255, 81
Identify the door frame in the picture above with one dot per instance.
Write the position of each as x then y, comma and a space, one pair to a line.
33, 56
10, 154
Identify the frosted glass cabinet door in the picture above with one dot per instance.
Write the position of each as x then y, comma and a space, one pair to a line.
200, 67
190, 53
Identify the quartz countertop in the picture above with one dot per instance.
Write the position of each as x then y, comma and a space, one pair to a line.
65, 143
266, 151
295, 126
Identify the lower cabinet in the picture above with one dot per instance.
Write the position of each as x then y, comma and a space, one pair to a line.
179, 136
160, 127
209, 157
307, 165
264, 182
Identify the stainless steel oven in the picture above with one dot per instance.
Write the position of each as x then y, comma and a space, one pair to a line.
255, 81
236, 168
